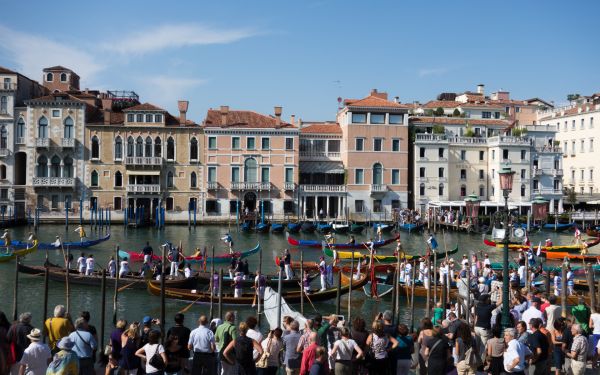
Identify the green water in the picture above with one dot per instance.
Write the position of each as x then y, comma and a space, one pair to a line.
134, 304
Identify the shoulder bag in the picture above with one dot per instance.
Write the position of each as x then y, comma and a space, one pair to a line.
264, 358
156, 360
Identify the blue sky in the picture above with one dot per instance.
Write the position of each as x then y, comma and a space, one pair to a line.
303, 55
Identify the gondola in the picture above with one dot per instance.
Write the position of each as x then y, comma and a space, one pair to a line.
561, 256
314, 266
135, 281
340, 228
263, 227
315, 243
12, 254
356, 228
276, 228
57, 246
307, 227
558, 227
223, 258
559, 248
324, 228
294, 227
248, 298
410, 227
347, 255
246, 227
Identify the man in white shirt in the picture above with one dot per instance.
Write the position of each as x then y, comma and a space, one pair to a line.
89, 265
124, 270
532, 312
522, 274
516, 353
36, 356
112, 267
486, 260
81, 264
408, 276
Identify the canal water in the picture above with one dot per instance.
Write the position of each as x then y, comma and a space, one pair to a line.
135, 304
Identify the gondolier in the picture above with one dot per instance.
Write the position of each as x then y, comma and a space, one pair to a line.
260, 283
81, 231
323, 272
112, 267
228, 241
148, 252
215, 283
124, 269
33, 238
432, 242
89, 265
7, 240
81, 264
287, 259
175, 257
352, 240
237, 285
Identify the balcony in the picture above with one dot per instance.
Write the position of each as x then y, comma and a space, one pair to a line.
433, 138
509, 140
42, 142
547, 191
378, 188
3, 152
557, 172
67, 142
144, 160
289, 186
422, 179
143, 189
54, 182
323, 188
538, 172
468, 140
212, 185
549, 149
250, 186
315, 155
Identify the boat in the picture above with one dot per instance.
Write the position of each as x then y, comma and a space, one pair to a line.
347, 255
410, 227
316, 243
384, 227
307, 227
56, 245
248, 298
263, 227
223, 258
356, 228
12, 254
558, 227
246, 227
592, 232
276, 228
294, 227
562, 255
324, 228
560, 248
57, 273
382, 288
340, 228
314, 266
524, 226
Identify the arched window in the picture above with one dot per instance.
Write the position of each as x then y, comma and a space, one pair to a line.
522, 190
157, 147
21, 128
55, 166
49, 77
441, 190
43, 127
68, 167
63, 77
193, 180
377, 174
250, 170
94, 178
194, 149
95, 148
118, 148
118, 179
139, 147
148, 150
130, 146
2, 172
68, 128
170, 149
42, 166
3, 137
170, 179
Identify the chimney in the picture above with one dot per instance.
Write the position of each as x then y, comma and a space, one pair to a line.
182, 105
480, 89
277, 115
107, 109
299, 123
396, 99
380, 95
224, 112
293, 119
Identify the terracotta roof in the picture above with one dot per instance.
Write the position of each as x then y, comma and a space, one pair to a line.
481, 105
373, 101
57, 96
321, 128
457, 121
442, 103
57, 67
4, 70
242, 119
144, 107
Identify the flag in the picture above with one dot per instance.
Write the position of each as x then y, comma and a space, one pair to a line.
539, 249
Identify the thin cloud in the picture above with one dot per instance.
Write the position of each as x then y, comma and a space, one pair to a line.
426, 72
31, 53
164, 90
176, 36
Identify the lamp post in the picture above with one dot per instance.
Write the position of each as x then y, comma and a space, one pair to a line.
506, 182
472, 205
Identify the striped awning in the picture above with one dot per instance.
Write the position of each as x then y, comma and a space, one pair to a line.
322, 167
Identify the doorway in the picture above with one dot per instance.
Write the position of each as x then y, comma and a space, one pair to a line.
20, 169
250, 201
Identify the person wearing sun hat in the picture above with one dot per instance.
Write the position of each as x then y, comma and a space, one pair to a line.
36, 356
65, 362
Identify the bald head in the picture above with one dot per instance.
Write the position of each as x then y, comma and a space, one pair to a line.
313, 337
229, 316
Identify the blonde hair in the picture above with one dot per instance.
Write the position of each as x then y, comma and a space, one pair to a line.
121, 324
243, 328
132, 332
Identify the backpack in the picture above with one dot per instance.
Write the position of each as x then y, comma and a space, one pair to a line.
243, 350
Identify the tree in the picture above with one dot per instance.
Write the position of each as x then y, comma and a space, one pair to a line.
439, 111
456, 112
438, 129
572, 97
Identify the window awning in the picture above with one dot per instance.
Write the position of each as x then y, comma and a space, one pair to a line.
322, 167
143, 173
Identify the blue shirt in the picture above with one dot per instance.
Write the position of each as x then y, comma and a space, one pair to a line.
291, 343
201, 339
85, 344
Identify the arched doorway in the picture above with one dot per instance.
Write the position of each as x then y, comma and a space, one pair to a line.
250, 201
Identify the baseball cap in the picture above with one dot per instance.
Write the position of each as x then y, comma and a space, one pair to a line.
147, 319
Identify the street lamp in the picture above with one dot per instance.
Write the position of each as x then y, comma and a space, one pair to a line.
506, 182
472, 205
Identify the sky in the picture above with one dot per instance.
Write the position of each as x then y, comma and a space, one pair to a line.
304, 55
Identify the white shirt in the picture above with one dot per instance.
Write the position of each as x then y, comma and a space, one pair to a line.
515, 350
345, 348
150, 350
595, 318
124, 267
89, 263
464, 262
522, 273
531, 313
81, 262
486, 261
276, 347
35, 357
111, 266
187, 272
255, 335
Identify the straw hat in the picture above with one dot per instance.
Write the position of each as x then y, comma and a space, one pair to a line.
35, 335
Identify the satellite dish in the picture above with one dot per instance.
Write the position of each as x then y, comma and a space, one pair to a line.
519, 232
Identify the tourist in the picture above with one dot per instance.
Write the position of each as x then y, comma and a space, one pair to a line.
483, 321
582, 314
147, 323
557, 342
304, 341
252, 333
225, 334
174, 363
243, 347
291, 358
516, 354
183, 334
116, 337
464, 341
81, 264
343, 350
18, 339
202, 343
6, 360
151, 349
272, 345
552, 312
148, 253
130, 341
578, 351
495, 352
426, 335
378, 342
309, 354
594, 326
85, 346
532, 312
112, 267
57, 327
112, 367
404, 351
539, 346
65, 361
124, 269
438, 354
319, 366
89, 265
36, 357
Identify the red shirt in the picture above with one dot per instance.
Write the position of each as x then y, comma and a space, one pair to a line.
544, 305
308, 357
